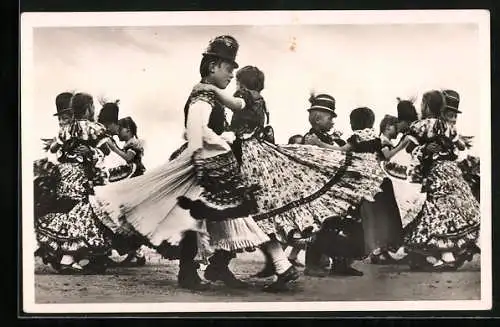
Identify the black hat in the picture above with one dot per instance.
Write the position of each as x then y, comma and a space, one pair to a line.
109, 112
63, 103
323, 102
224, 47
451, 100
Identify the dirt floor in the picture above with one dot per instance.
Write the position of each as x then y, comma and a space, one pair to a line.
156, 282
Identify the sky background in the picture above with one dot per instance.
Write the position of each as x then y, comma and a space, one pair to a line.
152, 70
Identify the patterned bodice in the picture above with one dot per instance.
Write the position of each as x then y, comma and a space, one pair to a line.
365, 141
253, 116
217, 121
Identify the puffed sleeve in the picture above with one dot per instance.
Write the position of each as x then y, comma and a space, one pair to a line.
423, 129
135, 146
197, 122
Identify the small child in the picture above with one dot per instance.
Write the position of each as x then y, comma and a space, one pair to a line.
381, 219
321, 115
133, 150
388, 132
64, 116
78, 143
450, 209
296, 139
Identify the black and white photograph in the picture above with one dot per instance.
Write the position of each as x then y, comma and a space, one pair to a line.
256, 161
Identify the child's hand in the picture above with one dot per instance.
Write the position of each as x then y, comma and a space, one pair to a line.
200, 87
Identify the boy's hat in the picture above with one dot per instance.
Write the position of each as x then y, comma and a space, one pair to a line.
451, 100
63, 103
61, 111
323, 102
224, 47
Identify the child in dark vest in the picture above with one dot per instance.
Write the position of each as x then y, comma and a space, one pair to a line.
321, 115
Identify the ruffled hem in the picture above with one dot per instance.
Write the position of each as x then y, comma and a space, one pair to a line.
201, 209
237, 245
456, 243
235, 234
77, 248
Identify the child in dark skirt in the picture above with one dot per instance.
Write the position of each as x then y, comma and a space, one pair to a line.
381, 219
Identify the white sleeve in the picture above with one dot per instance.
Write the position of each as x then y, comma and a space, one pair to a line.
197, 119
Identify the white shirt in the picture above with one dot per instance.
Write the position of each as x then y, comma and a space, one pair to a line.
200, 136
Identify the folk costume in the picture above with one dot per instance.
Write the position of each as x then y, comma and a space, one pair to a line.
300, 185
65, 221
449, 220
198, 200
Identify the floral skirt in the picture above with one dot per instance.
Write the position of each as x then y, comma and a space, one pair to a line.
148, 205
449, 220
302, 185
70, 225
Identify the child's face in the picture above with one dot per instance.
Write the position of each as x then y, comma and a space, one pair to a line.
297, 140
450, 117
391, 131
64, 119
124, 134
222, 74
325, 121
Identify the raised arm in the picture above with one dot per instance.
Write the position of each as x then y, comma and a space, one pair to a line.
229, 101
128, 155
389, 153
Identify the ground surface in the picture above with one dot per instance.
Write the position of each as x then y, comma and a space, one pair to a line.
156, 282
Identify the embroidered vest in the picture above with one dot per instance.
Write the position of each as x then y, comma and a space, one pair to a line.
326, 138
217, 120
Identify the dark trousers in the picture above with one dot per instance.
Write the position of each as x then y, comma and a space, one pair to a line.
315, 258
221, 258
188, 249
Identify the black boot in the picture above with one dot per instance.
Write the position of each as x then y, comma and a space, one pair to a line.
282, 284
188, 277
316, 263
342, 267
218, 270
